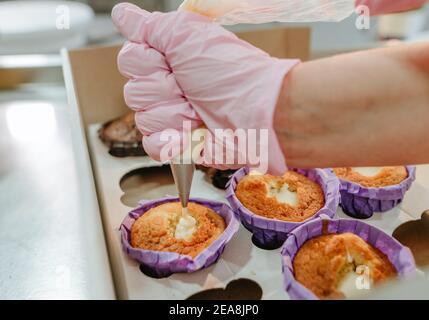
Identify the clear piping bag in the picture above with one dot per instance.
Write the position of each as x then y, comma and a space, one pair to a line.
229, 12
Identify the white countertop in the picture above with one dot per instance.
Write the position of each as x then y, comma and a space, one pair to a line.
51, 238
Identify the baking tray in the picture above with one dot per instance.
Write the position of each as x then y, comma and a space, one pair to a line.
143, 178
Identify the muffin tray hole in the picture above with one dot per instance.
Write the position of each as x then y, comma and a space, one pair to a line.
240, 289
152, 273
415, 235
264, 239
146, 183
273, 245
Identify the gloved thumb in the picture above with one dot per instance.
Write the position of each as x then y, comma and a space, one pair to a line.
129, 20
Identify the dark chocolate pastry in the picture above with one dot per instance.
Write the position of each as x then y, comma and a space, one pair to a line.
122, 137
219, 178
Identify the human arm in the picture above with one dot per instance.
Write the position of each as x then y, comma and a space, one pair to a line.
365, 108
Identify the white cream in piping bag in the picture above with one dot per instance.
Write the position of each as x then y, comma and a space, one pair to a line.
186, 226
367, 171
282, 195
209, 8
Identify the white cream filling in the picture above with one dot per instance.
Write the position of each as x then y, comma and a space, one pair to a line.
282, 195
186, 226
367, 171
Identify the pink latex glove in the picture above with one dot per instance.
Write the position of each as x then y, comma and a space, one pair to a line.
390, 6
182, 66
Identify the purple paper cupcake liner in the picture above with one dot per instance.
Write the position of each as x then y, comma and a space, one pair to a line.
271, 233
399, 255
360, 202
163, 264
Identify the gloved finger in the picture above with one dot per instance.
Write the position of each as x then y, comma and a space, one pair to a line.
138, 25
166, 145
162, 31
129, 19
138, 59
216, 151
167, 115
223, 151
142, 92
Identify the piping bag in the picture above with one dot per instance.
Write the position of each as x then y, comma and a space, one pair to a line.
183, 174
229, 12
183, 168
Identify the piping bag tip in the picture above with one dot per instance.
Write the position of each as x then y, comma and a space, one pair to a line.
183, 175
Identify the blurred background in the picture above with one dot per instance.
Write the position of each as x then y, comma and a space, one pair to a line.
31, 39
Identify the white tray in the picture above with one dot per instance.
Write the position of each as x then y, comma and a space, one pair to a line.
241, 258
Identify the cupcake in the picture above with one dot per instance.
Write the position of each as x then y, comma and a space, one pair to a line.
336, 259
122, 137
272, 206
329, 265
291, 197
164, 241
164, 229
373, 189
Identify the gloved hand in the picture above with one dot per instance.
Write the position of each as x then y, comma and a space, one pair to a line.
377, 7
182, 66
